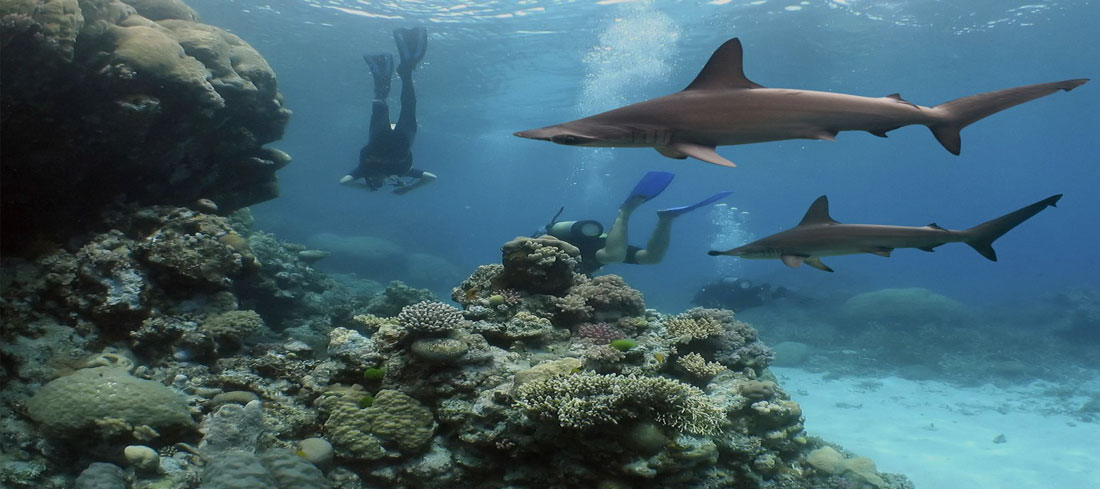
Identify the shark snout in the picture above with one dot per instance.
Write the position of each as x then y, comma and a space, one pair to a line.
543, 134
559, 134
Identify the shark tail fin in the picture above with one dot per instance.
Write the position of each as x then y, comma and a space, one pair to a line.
953, 116
982, 236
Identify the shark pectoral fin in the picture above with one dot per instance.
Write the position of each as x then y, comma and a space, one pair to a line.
883, 252
815, 262
700, 152
793, 261
668, 152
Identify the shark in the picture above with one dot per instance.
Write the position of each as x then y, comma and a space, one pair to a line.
818, 235
722, 107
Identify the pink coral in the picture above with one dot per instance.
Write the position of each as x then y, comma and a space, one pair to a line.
599, 333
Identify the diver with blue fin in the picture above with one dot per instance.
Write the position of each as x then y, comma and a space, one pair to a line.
599, 248
387, 157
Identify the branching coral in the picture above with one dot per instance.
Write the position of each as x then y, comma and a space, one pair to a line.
605, 298
695, 364
685, 329
585, 401
430, 318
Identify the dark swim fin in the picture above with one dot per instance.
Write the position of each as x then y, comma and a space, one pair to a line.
676, 211
412, 43
381, 66
650, 186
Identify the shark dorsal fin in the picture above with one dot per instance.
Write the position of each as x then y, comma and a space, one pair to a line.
723, 70
818, 213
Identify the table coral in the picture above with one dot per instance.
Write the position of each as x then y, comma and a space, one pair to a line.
586, 400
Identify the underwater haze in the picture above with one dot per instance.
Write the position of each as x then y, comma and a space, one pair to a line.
493, 68
214, 334
498, 67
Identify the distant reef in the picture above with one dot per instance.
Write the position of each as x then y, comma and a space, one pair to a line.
135, 101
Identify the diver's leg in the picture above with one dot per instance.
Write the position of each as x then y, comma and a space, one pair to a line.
614, 247
655, 249
406, 122
381, 69
379, 119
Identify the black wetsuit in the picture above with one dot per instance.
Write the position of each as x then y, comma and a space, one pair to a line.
388, 151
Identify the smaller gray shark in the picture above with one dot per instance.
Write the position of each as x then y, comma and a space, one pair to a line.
819, 235
722, 107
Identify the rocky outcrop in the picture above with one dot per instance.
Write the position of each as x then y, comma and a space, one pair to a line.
108, 101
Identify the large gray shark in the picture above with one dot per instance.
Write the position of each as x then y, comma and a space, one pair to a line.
722, 107
819, 235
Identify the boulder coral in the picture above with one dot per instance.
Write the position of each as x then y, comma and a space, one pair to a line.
911, 306
109, 402
543, 265
109, 101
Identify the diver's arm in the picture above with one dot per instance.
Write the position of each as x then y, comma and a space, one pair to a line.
351, 181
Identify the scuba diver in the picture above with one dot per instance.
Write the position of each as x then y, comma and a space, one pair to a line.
599, 248
387, 159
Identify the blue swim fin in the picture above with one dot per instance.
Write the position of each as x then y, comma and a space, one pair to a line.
650, 186
381, 66
412, 43
676, 211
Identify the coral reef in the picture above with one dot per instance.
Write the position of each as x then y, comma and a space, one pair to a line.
156, 108
396, 391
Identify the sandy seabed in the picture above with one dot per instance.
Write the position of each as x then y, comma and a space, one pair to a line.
942, 436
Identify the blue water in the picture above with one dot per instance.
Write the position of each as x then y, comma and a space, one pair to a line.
496, 67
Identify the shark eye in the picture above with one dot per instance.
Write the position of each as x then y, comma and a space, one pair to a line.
566, 139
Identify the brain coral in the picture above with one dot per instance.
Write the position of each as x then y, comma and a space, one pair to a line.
102, 397
393, 424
